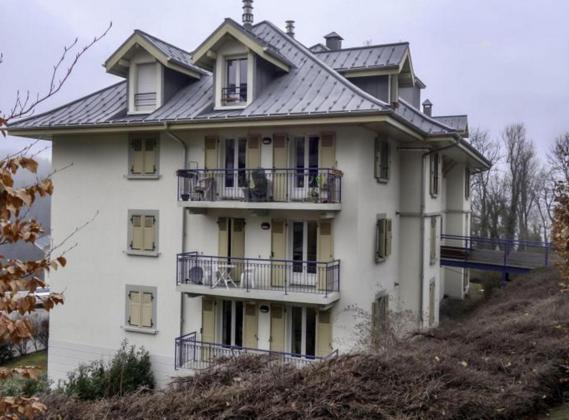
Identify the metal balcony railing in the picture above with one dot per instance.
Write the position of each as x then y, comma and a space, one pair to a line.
233, 95
250, 274
193, 354
313, 185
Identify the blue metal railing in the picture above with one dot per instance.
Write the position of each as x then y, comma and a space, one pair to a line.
312, 185
193, 354
508, 253
286, 276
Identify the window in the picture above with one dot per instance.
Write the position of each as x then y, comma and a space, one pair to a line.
143, 232
383, 237
146, 82
143, 157
467, 183
303, 331
232, 323
306, 161
434, 166
235, 162
382, 160
140, 314
433, 239
235, 90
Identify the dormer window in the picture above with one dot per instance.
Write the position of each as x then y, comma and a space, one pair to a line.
146, 83
235, 90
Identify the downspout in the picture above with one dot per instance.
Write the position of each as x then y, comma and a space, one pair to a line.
184, 218
422, 217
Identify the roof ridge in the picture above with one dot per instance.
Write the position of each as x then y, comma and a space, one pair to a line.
363, 47
450, 116
326, 67
161, 40
25, 119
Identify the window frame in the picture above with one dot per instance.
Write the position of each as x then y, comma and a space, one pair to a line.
143, 138
382, 175
133, 85
130, 233
140, 329
225, 82
434, 177
385, 238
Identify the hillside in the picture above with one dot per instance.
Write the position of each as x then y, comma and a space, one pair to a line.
506, 359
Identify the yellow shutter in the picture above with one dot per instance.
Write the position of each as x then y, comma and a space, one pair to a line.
134, 308
211, 161
250, 326
388, 236
137, 241
325, 251
328, 150
223, 237
150, 156
280, 161
208, 320
149, 233
254, 151
146, 318
278, 252
137, 156
277, 328
324, 331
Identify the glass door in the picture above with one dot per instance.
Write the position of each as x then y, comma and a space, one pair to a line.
235, 160
232, 323
304, 237
303, 331
305, 160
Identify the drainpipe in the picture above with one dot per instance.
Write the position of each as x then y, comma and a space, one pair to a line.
184, 217
422, 216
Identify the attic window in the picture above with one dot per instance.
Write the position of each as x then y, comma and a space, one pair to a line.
145, 95
235, 90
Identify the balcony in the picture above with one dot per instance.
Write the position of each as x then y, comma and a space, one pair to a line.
194, 354
234, 95
308, 282
261, 189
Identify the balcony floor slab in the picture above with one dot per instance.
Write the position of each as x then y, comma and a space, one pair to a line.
247, 205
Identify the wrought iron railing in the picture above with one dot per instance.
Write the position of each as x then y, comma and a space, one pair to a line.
313, 185
286, 276
234, 94
193, 354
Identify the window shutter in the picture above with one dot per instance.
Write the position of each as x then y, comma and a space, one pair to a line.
208, 320
223, 237
325, 250
380, 240
134, 309
277, 328
146, 310
433, 239
137, 156
324, 340
278, 252
211, 161
377, 161
149, 233
137, 241
250, 326
385, 159
150, 156
328, 150
280, 161
388, 236
254, 151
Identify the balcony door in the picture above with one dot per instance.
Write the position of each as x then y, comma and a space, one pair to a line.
303, 249
234, 164
305, 158
231, 245
232, 323
302, 323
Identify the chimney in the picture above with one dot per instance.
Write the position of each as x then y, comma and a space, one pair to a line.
428, 108
333, 41
290, 28
247, 14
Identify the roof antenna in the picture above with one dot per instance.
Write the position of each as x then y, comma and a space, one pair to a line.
248, 14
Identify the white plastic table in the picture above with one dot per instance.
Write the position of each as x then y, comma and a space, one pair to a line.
224, 275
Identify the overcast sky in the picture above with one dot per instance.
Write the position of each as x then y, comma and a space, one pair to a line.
498, 61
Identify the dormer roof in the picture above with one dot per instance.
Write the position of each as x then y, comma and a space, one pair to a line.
167, 54
204, 55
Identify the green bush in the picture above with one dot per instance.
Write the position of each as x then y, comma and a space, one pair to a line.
22, 387
128, 371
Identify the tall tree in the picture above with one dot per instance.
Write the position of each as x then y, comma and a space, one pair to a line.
558, 158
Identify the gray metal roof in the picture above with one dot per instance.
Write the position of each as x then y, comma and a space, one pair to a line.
362, 58
311, 87
456, 122
173, 53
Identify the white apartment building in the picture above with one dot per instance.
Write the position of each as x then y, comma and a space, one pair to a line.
254, 195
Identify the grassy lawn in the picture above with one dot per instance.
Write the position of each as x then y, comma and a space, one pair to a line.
33, 359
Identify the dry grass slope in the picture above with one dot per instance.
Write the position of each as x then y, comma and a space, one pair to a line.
507, 360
